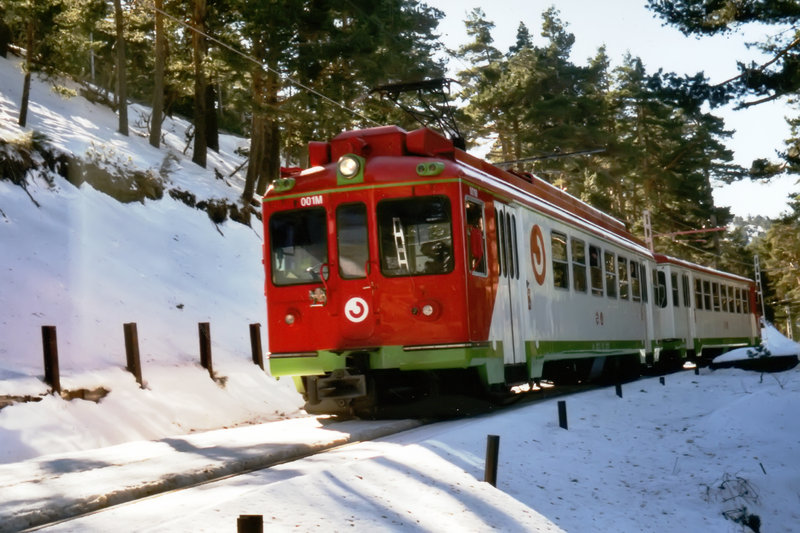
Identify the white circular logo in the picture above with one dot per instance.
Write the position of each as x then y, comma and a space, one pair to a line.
356, 309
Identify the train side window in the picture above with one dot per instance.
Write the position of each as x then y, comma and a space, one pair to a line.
686, 302
578, 265
723, 297
698, 293
643, 275
352, 241
501, 243
738, 297
707, 296
476, 237
558, 244
596, 270
622, 267
660, 288
635, 285
745, 302
675, 290
611, 274
715, 293
511, 254
516, 250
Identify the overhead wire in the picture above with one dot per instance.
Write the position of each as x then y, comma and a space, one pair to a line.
264, 66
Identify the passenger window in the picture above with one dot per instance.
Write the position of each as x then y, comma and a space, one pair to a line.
596, 270
476, 237
698, 293
516, 250
351, 235
501, 243
707, 296
660, 288
558, 244
635, 285
511, 254
611, 275
686, 302
643, 273
738, 296
578, 265
622, 267
415, 236
675, 290
723, 298
715, 293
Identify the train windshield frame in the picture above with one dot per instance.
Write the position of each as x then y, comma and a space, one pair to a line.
415, 236
298, 246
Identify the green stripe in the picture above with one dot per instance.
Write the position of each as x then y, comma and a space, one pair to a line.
360, 188
553, 350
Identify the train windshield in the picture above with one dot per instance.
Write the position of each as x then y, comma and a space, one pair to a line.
299, 246
416, 236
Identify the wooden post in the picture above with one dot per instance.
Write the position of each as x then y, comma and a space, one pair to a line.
205, 347
492, 453
250, 523
619, 389
562, 414
134, 364
662, 380
255, 345
52, 375
696, 370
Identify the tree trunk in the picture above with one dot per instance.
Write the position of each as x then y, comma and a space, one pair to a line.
271, 162
26, 85
212, 126
257, 134
122, 82
199, 50
158, 77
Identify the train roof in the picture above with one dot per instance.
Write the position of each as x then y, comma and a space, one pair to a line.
395, 141
665, 259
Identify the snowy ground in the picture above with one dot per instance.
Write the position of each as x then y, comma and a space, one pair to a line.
678, 456
664, 457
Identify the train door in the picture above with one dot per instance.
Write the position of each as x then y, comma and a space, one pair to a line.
354, 292
508, 320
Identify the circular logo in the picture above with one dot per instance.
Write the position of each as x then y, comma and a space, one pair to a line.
538, 254
356, 309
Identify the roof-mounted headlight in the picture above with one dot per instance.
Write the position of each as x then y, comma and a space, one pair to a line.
350, 169
349, 166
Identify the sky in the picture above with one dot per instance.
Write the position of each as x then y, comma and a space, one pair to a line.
626, 26
88, 264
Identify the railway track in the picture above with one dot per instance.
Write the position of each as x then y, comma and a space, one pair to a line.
117, 475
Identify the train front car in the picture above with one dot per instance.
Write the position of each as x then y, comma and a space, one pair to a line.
366, 271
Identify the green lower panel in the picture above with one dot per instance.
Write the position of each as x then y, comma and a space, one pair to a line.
388, 357
723, 342
553, 350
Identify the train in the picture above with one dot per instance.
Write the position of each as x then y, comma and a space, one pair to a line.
398, 267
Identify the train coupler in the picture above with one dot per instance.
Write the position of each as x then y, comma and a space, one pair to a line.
338, 385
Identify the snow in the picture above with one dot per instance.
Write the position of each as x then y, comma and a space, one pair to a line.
673, 456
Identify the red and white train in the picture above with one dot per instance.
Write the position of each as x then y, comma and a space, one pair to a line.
398, 265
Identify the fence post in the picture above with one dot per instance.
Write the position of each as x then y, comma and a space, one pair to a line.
52, 375
205, 347
250, 523
662, 380
618, 388
562, 414
492, 453
255, 345
134, 364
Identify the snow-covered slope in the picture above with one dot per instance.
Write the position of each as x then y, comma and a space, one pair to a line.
87, 263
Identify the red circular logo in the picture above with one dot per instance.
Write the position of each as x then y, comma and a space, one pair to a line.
538, 254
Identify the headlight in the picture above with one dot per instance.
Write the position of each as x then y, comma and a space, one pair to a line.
348, 166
